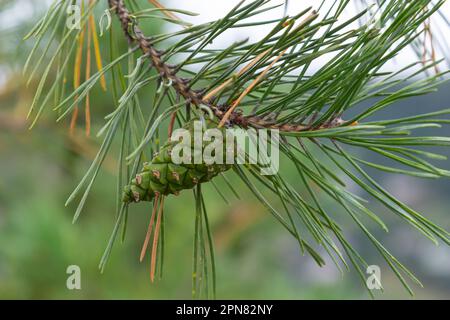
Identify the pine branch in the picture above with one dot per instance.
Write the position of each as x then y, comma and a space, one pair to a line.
181, 85
275, 84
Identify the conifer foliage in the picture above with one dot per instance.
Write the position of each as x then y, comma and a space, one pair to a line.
307, 77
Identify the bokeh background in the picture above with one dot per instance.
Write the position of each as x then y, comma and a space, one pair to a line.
255, 257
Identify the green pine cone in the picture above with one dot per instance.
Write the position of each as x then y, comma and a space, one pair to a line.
162, 176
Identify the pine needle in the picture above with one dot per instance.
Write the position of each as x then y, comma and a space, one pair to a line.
88, 76
98, 57
77, 74
218, 89
172, 123
155, 240
149, 230
249, 89
169, 14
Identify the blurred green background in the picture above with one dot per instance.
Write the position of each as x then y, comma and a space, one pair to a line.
255, 257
